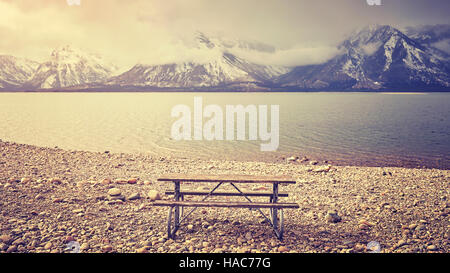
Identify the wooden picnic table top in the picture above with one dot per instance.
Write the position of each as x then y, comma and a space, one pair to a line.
233, 178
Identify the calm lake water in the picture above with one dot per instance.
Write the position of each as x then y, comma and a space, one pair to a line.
376, 129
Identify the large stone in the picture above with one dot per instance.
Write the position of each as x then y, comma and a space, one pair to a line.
153, 195
114, 192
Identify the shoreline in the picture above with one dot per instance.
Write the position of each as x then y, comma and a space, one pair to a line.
279, 158
49, 196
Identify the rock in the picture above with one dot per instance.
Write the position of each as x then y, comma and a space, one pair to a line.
39, 196
364, 222
400, 243
153, 195
431, 247
142, 250
248, 236
282, 249
304, 159
55, 180
84, 247
291, 159
132, 181
77, 210
324, 169
332, 217
117, 198
190, 227
116, 201
48, 246
6, 239
313, 162
25, 180
68, 239
106, 181
134, 196
107, 248
359, 247
3, 246
121, 181
19, 241
420, 227
147, 182
114, 192
11, 249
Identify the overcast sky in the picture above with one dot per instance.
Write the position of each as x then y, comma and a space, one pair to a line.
152, 31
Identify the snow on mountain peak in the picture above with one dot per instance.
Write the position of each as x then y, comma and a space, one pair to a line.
15, 71
69, 66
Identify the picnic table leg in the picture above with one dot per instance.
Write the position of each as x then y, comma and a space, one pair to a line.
176, 209
277, 226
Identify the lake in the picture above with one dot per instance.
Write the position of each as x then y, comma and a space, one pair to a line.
373, 129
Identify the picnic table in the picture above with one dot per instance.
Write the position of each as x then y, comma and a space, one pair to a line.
275, 218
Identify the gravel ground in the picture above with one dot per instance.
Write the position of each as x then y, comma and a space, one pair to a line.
50, 197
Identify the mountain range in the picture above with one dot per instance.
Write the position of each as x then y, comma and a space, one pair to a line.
374, 58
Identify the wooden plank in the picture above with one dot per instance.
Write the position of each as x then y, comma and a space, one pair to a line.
223, 193
234, 178
225, 204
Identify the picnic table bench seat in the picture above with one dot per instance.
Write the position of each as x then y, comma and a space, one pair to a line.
225, 204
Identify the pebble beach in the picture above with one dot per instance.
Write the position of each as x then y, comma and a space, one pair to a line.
50, 197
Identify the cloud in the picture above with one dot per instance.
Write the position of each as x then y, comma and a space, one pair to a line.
443, 45
152, 31
295, 56
371, 48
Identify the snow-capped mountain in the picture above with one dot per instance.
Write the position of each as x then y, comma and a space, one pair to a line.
69, 66
377, 57
373, 58
220, 67
15, 71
